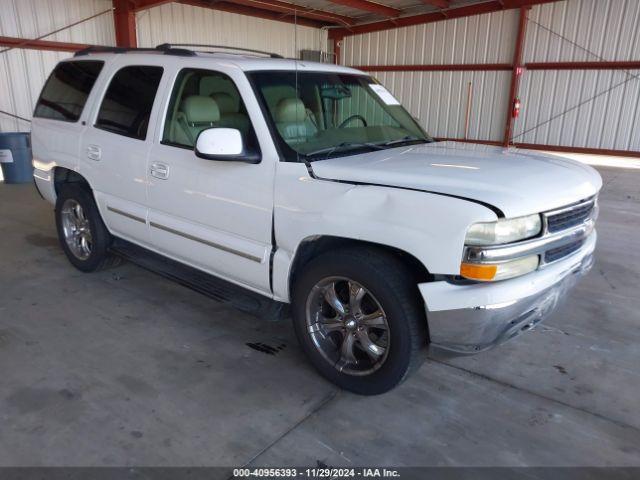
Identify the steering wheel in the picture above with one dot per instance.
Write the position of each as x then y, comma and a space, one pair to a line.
353, 117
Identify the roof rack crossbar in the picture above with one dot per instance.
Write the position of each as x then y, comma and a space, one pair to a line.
225, 47
160, 48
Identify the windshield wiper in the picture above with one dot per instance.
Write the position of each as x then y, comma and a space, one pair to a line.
408, 138
342, 146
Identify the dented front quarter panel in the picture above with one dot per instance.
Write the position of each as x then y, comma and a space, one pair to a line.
431, 227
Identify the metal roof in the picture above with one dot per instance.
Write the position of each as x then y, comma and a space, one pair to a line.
350, 12
406, 7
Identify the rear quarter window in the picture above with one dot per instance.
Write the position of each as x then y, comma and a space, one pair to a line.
127, 104
67, 89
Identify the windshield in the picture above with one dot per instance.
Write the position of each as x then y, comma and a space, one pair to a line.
332, 114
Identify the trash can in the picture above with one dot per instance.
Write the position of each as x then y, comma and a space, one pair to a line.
15, 157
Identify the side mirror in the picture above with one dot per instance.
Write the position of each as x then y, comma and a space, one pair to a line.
223, 144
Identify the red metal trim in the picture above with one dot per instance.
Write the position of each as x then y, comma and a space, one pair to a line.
631, 65
257, 12
480, 67
14, 42
516, 73
368, 6
588, 151
464, 140
634, 65
469, 10
124, 19
551, 148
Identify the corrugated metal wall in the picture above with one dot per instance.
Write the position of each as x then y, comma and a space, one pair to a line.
439, 99
175, 22
602, 106
605, 29
479, 39
572, 30
23, 72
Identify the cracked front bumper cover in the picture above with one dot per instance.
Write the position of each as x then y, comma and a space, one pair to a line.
499, 311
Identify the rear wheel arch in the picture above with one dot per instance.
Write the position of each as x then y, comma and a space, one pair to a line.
62, 176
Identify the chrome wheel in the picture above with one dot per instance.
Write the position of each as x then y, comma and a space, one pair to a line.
76, 229
347, 326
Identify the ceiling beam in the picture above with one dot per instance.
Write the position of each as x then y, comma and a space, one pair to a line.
288, 10
369, 6
139, 5
261, 9
438, 3
232, 7
13, 42
456, 12
293, 9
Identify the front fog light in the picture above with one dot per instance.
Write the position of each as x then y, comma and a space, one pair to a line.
499, 271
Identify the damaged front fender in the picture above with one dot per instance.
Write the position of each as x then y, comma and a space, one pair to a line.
428, 226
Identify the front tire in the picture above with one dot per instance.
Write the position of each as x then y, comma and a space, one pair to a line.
358, 317
81, 231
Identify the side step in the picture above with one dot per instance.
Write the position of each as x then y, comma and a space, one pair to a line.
215, 288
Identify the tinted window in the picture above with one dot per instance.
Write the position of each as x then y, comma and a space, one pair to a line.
66, 91
126, 106
204, 99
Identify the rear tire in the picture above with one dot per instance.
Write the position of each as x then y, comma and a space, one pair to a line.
81, 231
358, 316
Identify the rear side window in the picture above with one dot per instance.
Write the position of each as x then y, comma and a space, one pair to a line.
127, 105
67, 89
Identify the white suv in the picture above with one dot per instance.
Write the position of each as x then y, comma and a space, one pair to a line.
310, 184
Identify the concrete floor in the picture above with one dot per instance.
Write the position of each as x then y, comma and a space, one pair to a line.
123, 367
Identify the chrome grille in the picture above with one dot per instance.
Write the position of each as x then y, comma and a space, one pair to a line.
565, 231
561, 252
568, 217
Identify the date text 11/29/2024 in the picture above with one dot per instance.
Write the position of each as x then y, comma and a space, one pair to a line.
320, 472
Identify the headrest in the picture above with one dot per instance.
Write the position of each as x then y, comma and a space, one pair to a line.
225, 102
290, 110
200, 109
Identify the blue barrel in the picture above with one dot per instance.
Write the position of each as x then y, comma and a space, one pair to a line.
15, 157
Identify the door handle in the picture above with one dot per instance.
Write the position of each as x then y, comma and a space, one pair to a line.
160, 170
94, 152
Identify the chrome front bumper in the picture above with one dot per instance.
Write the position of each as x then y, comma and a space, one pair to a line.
467, 319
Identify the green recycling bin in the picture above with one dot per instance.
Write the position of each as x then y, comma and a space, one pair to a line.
15, 157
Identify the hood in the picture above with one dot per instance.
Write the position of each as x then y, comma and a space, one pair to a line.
517, 182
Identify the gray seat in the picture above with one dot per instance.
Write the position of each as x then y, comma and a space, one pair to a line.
230, 116
294, 122
196, 113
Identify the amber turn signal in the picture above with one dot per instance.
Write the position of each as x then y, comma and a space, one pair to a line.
478, 272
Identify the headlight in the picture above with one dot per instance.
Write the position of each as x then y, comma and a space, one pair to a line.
504, 230
499, 271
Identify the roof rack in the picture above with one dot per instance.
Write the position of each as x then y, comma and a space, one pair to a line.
170, 46
165, 48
